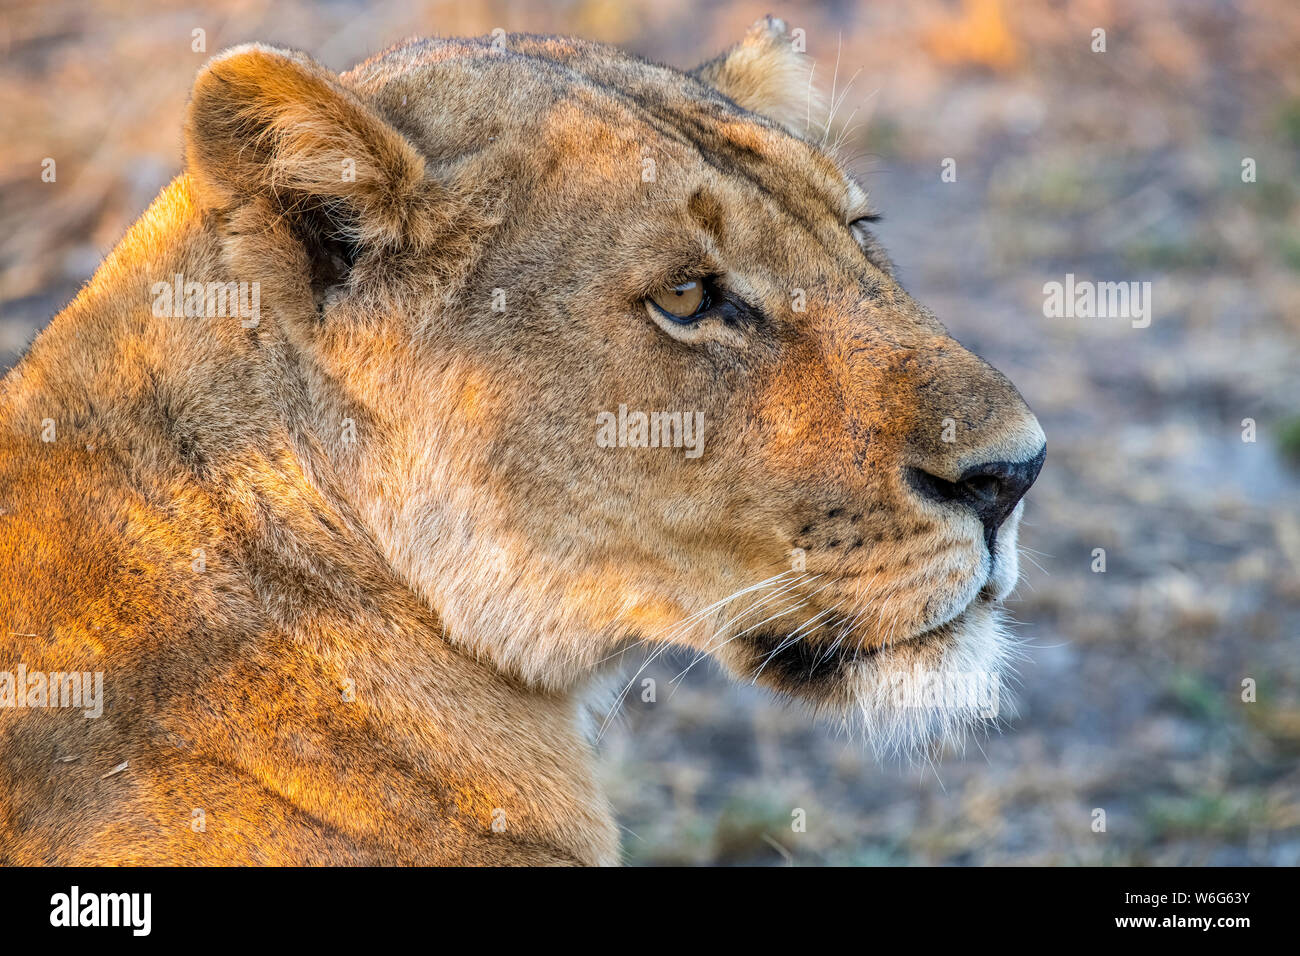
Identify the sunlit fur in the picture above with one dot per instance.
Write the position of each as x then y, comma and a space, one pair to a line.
349, 570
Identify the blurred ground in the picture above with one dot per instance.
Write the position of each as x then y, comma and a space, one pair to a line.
1123, 165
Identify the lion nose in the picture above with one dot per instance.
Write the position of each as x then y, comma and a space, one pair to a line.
991, 490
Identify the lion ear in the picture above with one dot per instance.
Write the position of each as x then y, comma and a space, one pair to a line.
274, 124
767, 73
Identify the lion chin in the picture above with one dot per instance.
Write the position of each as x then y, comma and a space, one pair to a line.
912, 699
926, 696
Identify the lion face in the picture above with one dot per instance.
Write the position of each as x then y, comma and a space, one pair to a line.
629, 368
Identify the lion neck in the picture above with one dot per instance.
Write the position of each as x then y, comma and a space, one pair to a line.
233, 405
216, 436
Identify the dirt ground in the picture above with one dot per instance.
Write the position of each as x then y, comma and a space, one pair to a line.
1123, 165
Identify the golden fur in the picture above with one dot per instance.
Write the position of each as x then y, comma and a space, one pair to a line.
348, 566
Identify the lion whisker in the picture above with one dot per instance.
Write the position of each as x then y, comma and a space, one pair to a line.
795, 637
671, 631
709, 648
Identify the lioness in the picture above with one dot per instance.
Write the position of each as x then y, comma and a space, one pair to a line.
342, 473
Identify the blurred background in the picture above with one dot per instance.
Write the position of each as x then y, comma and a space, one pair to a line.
1123, 165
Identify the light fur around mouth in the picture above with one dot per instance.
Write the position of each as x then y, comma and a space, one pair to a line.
906, 696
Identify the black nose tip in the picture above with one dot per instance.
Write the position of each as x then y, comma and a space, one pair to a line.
991, 489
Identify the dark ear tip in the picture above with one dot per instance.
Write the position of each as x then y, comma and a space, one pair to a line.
770, 27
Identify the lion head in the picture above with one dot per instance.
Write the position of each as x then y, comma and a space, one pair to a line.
623, 363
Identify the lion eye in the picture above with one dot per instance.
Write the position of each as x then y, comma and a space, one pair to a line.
681, 302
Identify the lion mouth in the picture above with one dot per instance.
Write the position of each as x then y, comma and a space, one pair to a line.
798, 667
819, 668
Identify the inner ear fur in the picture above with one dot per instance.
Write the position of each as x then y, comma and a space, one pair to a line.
267, 124
764, 73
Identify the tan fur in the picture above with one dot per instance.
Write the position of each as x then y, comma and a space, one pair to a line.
373, 650
766, 74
